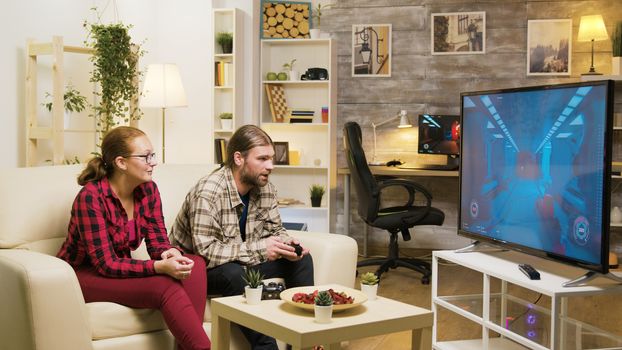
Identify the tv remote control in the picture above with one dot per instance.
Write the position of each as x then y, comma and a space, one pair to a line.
529, 271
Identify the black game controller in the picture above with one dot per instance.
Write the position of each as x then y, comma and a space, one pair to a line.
394, 162
272, 291
297, 247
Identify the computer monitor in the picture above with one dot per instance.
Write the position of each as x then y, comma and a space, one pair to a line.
536, 170
440, 134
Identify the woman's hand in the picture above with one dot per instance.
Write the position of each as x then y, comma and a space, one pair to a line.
178, 267
169, 253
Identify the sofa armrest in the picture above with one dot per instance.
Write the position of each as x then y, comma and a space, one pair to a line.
41, 302
334, 256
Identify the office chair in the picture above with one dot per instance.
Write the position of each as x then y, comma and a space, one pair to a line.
392, 219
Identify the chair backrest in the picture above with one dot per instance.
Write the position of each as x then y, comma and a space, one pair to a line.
364, 182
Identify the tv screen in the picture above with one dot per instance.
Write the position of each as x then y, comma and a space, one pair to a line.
439, 134
535, 170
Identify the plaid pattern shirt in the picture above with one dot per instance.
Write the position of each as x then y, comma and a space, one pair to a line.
208, 225
98, 234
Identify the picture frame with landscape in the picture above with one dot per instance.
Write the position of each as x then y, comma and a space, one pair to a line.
458, 33
549, 47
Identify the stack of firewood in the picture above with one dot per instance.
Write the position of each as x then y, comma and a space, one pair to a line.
283, 20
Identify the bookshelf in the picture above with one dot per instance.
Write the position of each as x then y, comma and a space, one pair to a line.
227, 83
313, 140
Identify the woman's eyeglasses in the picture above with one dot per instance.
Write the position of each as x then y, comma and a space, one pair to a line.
149, 158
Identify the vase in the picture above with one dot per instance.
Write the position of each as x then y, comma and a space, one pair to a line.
253, 295
616, 215
371, 290
226, 124
616, 65
294, 75
314, 33
227, 47
316, 202
323, 314
66, 119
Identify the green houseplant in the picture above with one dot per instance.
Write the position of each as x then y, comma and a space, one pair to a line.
616, 45
323, 307
115, 64
225, 40
289, 67
369, 285
73, 102
226, 120
316, 192
254, 285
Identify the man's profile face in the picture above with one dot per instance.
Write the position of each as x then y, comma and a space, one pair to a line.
257, 166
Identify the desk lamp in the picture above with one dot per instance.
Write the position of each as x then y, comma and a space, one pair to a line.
404, 123
163, 89
592, 28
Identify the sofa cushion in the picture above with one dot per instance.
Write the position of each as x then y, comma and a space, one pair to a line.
111, 320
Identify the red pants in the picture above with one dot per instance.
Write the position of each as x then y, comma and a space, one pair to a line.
182, 303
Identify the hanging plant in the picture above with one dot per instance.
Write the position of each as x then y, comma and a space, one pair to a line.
115, 67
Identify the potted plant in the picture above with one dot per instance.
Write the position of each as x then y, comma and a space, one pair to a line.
316, 192
323, 307
616, 45
73, 102
369, 285
115, 61
289, 67
226, 120
254, 285
317, 15
225, 40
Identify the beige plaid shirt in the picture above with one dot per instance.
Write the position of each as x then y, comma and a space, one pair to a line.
207, 223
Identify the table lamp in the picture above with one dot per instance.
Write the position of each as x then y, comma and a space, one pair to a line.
163, 89
592, 28
404, 123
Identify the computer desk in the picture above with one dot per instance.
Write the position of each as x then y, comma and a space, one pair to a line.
382, 170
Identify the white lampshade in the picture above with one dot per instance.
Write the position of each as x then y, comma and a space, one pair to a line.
163, 87
592, 28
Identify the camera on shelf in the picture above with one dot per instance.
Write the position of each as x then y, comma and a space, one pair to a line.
315, 74
272, 291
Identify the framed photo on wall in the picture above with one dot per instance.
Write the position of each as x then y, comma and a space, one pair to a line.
549, 44
281, 153
458, 33
285, 19
371, 50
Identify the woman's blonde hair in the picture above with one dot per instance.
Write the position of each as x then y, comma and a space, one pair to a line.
116, 143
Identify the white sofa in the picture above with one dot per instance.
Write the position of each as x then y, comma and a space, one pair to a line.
41, 304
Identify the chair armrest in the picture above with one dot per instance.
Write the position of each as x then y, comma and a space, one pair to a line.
41, 302
410, 186
334, 256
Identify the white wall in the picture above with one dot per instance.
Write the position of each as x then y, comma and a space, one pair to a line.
175, 31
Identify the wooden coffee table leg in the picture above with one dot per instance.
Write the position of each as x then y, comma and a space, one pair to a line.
221, 332
422, 338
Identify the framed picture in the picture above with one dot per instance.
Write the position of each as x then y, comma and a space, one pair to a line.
281, 153
285, 19
458, 33
549, 44
371, 50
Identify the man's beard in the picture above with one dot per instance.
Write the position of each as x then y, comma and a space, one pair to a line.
252, 179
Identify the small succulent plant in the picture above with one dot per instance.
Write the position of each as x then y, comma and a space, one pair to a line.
253, 277
323, 298
369, 278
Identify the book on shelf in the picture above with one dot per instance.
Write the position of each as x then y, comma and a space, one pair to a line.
220, 150
223, 73
294, 119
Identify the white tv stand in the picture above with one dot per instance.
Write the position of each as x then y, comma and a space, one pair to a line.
491, 309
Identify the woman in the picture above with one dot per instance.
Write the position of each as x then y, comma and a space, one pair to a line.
119, 206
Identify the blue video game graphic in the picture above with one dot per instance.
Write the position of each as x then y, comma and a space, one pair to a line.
532, 170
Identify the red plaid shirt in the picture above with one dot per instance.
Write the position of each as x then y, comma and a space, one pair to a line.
98, 234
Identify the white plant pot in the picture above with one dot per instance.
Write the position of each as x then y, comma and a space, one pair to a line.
294, 75
253, 295
323, 314
314, 33
370, 290
616, 65
226, 124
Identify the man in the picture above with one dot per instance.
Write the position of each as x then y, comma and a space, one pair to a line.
231, 218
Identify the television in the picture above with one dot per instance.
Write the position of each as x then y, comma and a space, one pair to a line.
440, 134
535, 170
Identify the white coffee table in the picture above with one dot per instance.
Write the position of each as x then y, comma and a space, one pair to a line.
296, 326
